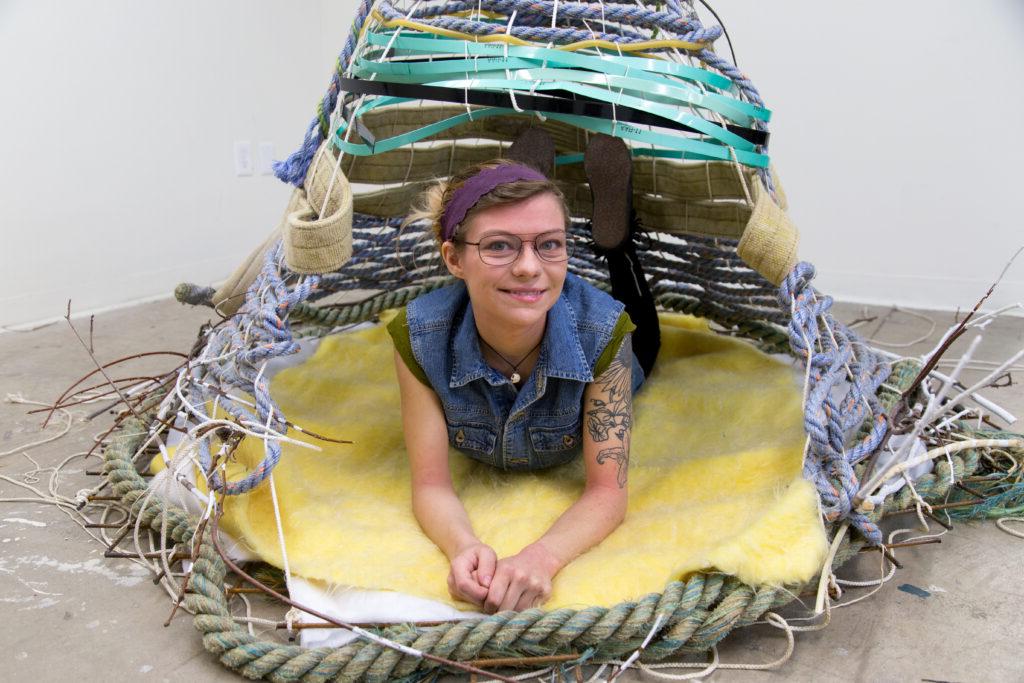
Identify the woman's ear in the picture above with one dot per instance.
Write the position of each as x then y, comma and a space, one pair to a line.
452, 257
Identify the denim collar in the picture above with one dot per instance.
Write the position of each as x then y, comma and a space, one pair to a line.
561, 354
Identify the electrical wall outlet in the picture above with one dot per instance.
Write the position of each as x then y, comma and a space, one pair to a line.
265, 159
243, 158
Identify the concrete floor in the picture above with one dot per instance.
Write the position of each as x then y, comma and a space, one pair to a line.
67, 613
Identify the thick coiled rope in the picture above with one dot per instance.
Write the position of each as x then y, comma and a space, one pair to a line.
679, 27
696, 613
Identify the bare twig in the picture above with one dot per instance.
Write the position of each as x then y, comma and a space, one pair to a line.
943, 506
108, 365
955, 334
902, 405
904, 544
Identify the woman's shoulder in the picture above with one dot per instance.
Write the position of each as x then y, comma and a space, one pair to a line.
437, 308
591, 306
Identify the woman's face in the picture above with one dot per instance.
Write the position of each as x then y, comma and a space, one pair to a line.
517, 295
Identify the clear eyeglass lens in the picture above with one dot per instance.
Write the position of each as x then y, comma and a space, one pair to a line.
553, 246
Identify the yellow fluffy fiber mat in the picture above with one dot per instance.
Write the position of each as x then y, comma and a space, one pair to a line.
714, 479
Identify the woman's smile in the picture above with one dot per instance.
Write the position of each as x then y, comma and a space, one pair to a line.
511, 299
529, 296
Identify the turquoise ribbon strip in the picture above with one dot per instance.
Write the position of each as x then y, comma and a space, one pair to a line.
616, 65
646, 86
672, 146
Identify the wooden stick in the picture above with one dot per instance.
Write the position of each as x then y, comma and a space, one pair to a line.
524, 661
943, 506
901, 406
184, 584
174, 557
904, 544
889, 556
115, 362
300, 626
969, 490
99, 367
941, 522
99, 473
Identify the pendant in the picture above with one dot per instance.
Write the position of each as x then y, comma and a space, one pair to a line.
515, 378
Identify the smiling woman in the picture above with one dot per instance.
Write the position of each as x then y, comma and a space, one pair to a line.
521, 365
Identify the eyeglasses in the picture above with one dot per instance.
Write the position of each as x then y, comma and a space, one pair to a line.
502, 249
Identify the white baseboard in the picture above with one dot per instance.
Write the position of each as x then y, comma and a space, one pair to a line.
27, 310
909, 291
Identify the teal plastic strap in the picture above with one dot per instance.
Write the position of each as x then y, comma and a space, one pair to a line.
644, 85
612, 97
617, 65
672, 146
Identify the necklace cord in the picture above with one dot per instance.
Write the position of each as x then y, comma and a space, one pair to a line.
515, 366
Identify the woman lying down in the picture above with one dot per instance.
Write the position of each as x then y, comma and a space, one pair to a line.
521, 365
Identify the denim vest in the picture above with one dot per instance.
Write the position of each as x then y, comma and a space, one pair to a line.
539, 425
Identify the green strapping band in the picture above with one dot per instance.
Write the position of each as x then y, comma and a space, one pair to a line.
618, 65
673, 146
645, 86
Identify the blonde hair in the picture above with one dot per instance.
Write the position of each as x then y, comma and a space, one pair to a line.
431, 204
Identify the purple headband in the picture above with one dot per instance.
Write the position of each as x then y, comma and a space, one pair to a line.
466, 197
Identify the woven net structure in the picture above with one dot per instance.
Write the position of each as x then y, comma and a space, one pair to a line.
422, 88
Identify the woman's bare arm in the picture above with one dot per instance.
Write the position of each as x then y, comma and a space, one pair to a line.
434, 503
524, 580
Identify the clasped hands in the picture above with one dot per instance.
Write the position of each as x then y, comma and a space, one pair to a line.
518, 582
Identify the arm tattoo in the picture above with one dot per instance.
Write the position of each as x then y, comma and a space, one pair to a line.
612, 419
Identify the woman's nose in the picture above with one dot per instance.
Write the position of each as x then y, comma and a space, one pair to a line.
528, 261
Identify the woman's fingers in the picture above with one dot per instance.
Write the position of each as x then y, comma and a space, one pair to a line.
528, 592
496, 593
466, 588
514, 589
533, 597
462, 581
486, 562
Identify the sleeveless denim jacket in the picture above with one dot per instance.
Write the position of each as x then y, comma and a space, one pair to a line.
538, 426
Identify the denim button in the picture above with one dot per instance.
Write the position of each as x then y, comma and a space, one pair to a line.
460, 436
568, 440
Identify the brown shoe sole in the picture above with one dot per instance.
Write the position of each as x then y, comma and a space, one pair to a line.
609, 168
534, 147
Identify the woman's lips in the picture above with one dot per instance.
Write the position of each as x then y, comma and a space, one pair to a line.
529, 296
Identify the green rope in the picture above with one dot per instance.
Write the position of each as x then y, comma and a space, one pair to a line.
769, 337
367, 309
696, 613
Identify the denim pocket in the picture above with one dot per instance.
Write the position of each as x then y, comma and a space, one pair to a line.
556, 438
475, 439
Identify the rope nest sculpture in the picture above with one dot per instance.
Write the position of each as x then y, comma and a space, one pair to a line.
424, 87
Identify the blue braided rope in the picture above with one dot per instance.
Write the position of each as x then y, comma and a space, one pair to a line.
844, 377
561, 36
256, 334
623, 13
